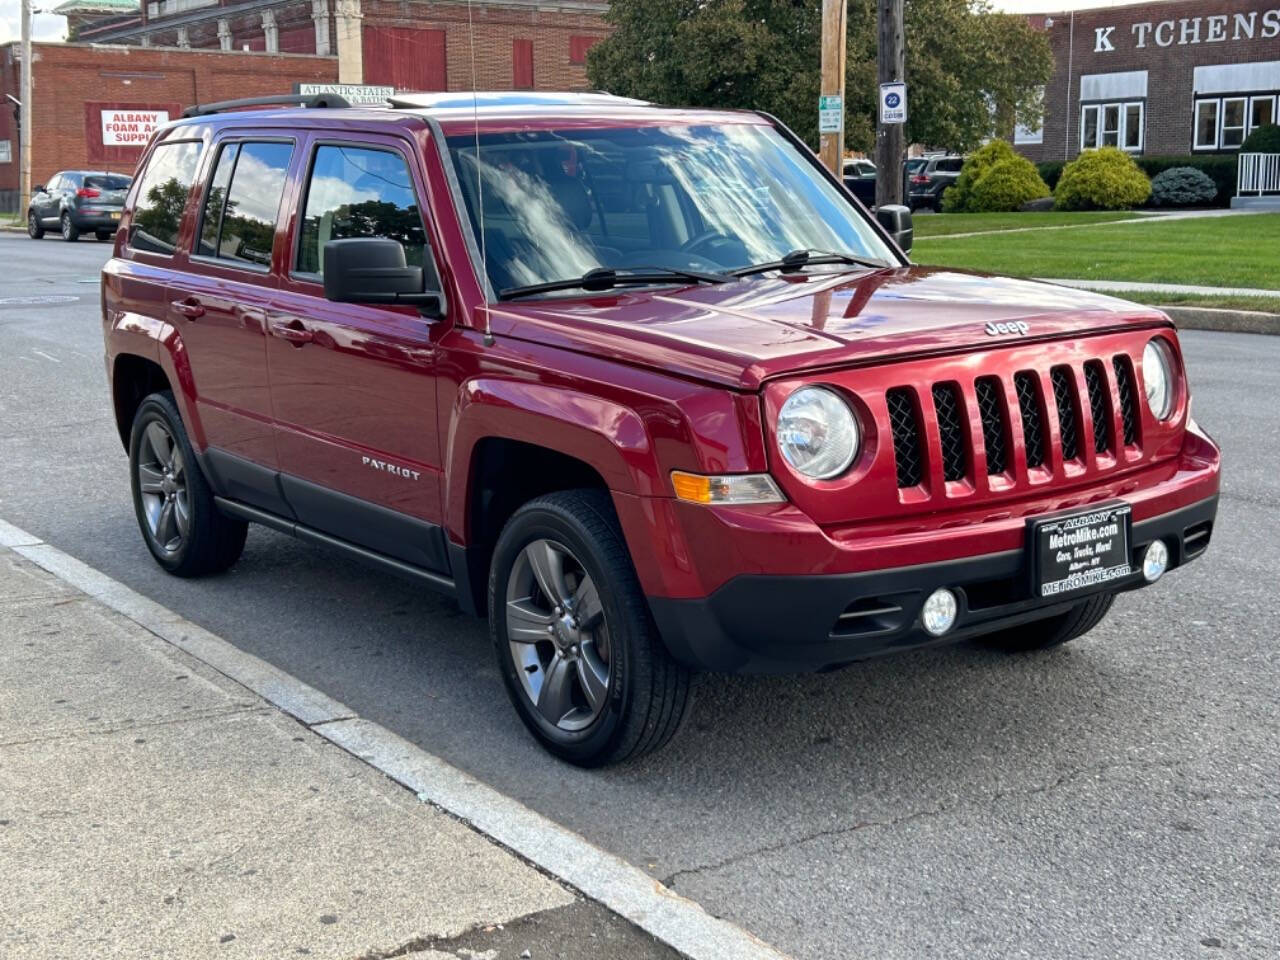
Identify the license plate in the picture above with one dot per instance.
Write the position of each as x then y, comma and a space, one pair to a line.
115, 214
1081, 551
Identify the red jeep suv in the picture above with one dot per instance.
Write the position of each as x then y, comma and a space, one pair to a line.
645, 386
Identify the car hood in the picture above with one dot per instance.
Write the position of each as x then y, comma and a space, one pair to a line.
743, 333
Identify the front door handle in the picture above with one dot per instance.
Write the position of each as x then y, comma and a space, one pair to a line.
293, 331
191, 308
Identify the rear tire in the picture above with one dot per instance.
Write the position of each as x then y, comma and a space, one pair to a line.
1055, 631
104, 235
34, 230
180, 523
69, 231
594, 684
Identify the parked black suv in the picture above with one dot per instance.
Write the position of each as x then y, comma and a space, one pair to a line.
928, 177
76, 202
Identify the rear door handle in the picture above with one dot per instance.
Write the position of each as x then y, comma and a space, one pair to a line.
190, 308
293, 331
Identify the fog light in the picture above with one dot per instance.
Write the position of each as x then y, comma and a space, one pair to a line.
939, 613
1155, 561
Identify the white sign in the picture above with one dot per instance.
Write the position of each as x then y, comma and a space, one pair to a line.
353, 93
130, 128
6, 151
830, 114
893, 103
1186, 31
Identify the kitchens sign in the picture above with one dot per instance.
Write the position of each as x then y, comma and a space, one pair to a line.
130, 128
1220, 28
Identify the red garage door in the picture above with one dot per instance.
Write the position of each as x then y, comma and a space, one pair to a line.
405, 58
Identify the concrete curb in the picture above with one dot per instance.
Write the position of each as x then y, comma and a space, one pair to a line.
1227, 321
628, 891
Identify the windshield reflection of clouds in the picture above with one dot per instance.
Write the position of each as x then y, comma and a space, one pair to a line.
558, 204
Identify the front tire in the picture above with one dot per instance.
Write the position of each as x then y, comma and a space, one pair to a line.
34, 230
69, 231
180, 523
1055, 631
577, 648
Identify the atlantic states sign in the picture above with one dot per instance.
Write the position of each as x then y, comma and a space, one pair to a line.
1220, 28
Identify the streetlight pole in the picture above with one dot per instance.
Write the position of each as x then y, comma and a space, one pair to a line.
24, 119
890, 137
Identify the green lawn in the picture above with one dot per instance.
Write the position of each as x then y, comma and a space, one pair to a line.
945, 224
1239, 251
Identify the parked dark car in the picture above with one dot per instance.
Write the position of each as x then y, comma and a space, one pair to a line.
640, 384
860, 178
928, 177
78, 201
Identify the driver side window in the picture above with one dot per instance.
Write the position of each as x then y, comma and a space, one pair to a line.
361, 192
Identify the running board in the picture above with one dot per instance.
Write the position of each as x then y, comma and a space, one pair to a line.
243, 511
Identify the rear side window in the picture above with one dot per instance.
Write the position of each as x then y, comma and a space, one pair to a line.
162, 196
243, 201
361, 192
107, 182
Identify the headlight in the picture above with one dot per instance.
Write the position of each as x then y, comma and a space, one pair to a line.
1157, 377
817, 433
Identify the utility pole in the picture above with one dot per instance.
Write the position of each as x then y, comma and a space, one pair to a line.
831, 144
890, 137
24, 119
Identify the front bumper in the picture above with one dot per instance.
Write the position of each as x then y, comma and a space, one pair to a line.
783, 624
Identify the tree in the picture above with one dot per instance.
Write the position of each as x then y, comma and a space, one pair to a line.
969, 71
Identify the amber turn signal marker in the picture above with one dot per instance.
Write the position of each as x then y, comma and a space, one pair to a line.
730, 488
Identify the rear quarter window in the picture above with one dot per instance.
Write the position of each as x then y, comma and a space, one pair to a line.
108, 182
162, 196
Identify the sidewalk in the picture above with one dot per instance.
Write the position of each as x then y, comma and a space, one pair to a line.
1105, 286
151, 807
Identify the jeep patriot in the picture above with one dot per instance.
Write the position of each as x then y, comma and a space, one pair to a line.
646, 387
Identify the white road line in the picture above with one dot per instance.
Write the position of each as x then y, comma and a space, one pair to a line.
41, 353
625, 889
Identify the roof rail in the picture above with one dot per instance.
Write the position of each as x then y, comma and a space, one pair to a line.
331, 100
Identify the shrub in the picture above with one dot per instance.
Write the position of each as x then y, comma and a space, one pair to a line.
1007, 186
1182, 187
1103, 179
1050, 171
1221, 169
958, 196
1266, 139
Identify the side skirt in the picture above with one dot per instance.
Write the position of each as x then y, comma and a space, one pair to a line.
244, 511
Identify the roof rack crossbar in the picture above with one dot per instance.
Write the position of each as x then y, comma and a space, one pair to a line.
330, 100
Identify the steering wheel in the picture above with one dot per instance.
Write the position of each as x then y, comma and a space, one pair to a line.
705, 238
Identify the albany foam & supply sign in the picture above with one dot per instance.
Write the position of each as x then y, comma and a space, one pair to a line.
130, 127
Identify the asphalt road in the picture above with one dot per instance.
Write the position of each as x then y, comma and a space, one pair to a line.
1119, 797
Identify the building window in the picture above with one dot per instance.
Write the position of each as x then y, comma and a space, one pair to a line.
578, 47
1112, 125
1233, 110
1262, 111
1206, 125
522, 64
1025, 134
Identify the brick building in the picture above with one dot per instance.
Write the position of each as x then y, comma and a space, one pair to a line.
136, 63
92, 104
407, 44
1171, 78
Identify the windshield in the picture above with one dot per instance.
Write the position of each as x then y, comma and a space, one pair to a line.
559, 203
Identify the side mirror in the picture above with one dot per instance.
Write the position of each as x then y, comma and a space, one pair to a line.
373, 270
896, 219
37, 188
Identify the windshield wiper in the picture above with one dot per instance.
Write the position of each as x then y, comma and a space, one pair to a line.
605, 278
806, 258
